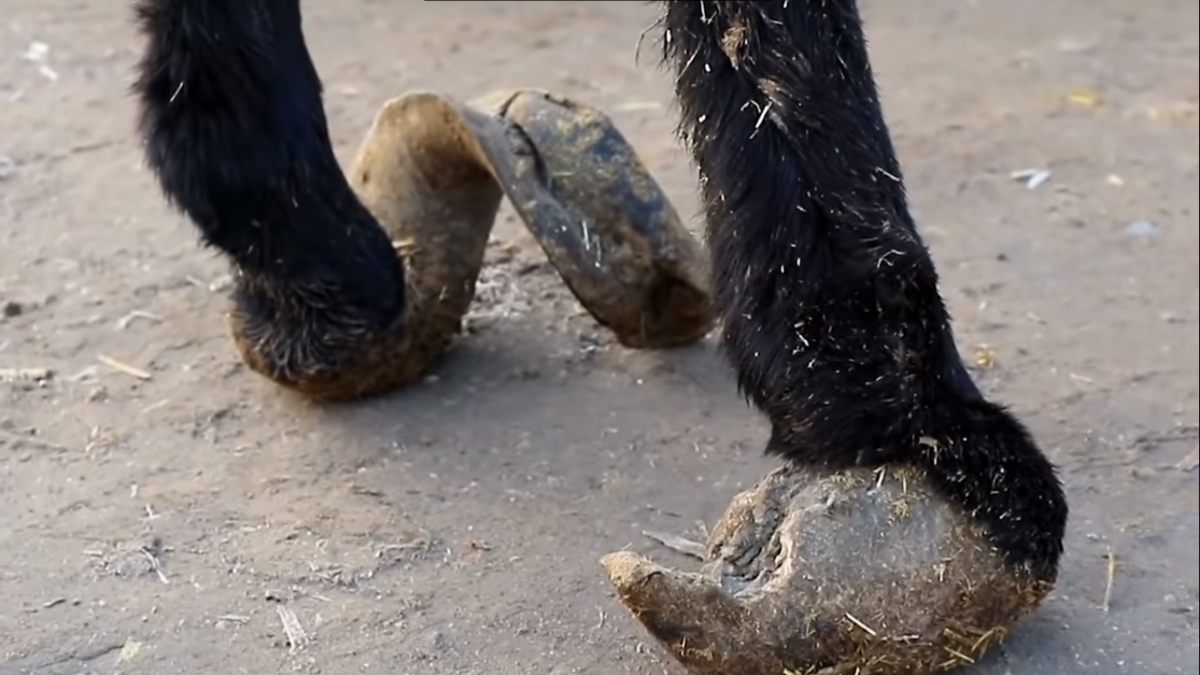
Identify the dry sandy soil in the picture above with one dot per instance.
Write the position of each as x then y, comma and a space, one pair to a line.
163, 518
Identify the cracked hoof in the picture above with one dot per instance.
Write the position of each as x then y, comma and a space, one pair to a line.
863, 572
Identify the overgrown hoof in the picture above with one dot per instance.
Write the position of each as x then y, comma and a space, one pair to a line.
433, 172
602, 220
855, 573
422, 175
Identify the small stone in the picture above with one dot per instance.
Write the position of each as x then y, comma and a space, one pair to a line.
1142, 229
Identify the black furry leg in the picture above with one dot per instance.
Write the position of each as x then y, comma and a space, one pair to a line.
234, 128
235, 131
832, 316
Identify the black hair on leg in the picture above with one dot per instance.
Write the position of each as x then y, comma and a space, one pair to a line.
829, 298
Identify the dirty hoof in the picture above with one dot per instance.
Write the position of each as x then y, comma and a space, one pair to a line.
581, 190
863, 572
604, 223
432, 172
420, 171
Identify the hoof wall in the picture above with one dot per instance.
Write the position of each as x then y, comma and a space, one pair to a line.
865, 572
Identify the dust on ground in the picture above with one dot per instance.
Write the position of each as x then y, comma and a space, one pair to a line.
162, 510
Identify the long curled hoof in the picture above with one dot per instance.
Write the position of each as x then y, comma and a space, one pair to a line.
602, 220
432, 172
421, 173
863, 572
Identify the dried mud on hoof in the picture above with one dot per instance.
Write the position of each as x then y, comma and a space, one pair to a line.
603, 221
433, 170
863, 572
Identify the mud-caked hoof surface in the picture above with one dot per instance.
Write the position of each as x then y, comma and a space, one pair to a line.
421, 173
603, 221
433, 172
865, 572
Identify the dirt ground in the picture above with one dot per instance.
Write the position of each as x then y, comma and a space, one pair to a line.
162, 510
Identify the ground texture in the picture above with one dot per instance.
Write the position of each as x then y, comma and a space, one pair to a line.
162, 510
